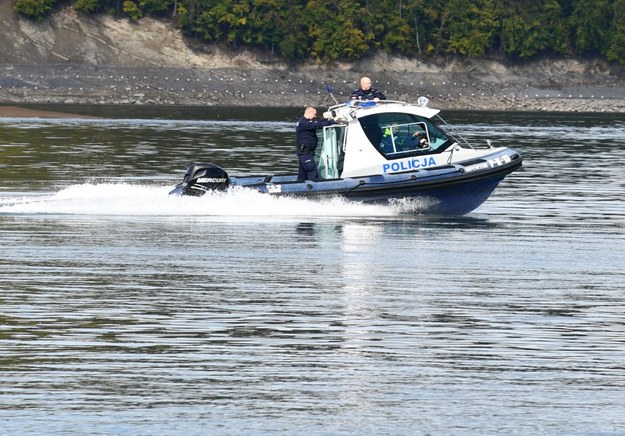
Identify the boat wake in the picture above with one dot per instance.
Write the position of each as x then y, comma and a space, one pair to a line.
124, 199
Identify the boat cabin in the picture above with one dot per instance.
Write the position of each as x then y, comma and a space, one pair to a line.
380, 137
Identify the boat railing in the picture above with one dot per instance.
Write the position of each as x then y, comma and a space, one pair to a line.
365, 103
457, 136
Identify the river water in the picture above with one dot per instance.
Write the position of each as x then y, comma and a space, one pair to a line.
125, 312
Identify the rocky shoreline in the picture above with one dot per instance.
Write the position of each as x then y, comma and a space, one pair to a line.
76, 84
76, 59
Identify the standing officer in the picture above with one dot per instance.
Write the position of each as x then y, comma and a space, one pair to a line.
306, 133
366, 92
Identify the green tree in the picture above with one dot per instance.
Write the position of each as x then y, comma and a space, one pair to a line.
189, 15
87, 6
206, 26
132, 9
36, 9
112, 7
217, 20
333, 26
529, 28
290, 32
471, 26
320, 20
267, 23
156, 7
432, 25
590, 22
231, 18
396, 26
421, 28
616, 43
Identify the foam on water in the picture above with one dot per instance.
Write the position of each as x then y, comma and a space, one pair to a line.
125, 199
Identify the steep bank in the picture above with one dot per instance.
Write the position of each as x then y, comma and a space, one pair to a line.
76, 59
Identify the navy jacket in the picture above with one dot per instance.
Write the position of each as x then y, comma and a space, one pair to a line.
370, 94
306, 130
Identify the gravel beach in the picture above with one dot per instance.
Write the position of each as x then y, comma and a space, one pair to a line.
27, 85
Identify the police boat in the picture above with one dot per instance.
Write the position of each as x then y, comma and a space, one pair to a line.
389, 152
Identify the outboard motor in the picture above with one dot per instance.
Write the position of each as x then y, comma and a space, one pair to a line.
201, 178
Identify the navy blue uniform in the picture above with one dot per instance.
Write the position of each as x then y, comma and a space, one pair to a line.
306, 134
370, 94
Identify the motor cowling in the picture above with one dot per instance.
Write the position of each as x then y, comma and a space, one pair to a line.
201, 178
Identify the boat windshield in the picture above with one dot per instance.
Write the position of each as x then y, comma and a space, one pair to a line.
398, 135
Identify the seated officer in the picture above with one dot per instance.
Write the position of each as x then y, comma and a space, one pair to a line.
420, 141
390, 141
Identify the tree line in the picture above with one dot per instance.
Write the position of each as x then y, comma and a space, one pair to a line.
328, 30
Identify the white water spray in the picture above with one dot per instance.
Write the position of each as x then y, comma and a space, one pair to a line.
124, 199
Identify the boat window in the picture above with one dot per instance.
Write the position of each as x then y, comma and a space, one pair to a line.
398, 135
331, 156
